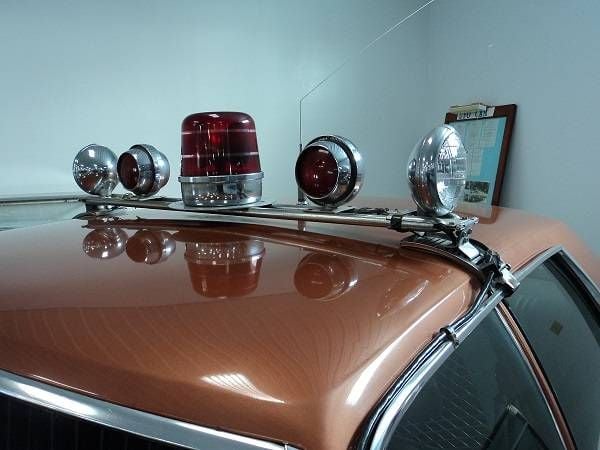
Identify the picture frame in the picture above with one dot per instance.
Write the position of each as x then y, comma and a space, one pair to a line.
486, 135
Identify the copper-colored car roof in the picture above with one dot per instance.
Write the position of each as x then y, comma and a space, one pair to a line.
253, 327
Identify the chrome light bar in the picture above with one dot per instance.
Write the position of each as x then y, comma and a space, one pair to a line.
454, 227
446, 236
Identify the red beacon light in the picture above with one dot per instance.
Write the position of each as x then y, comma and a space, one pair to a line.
219, 160
329, 170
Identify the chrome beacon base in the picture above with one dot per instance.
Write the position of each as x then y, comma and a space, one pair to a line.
227, 190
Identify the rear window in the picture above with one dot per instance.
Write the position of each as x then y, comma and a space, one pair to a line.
482, 397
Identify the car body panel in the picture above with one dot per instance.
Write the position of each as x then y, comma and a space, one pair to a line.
295, 341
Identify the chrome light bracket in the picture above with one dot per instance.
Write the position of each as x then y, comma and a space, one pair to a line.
487, 264
449, 236
455, 227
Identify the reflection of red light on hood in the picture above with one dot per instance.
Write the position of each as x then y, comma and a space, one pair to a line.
224, 269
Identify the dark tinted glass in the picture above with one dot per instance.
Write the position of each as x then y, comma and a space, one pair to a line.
25, 426
563, 328
482, 397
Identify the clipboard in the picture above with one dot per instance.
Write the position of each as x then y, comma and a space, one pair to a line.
486, 133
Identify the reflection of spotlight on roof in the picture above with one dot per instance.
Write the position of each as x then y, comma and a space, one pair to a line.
104, 243
224, 269
322, 276
150, 247
240, 384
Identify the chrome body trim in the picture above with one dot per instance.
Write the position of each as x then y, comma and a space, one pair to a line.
126, 419
14, 200
422, 369
223, 178
411, 386
587, 283
537, 261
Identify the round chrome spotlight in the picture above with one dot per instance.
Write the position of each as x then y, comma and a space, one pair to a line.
437, 171
94, 170
330, 170
143, 170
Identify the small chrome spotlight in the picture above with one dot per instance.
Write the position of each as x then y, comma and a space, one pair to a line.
437, 171
95, 170
143, 170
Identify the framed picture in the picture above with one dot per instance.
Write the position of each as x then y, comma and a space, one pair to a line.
486, 135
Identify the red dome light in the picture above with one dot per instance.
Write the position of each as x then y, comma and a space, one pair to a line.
317, 172
219, 159
143, 170
329, 171
128, 171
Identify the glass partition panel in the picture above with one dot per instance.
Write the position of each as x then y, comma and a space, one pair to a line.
376, 97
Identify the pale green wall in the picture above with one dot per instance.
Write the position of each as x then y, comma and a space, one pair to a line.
122, 72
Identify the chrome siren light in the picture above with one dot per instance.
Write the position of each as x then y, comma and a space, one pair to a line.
330, 171
143, 170
95, 170
436, 171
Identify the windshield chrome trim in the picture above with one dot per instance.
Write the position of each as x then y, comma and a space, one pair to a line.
587, 283
130, 420
413, 381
